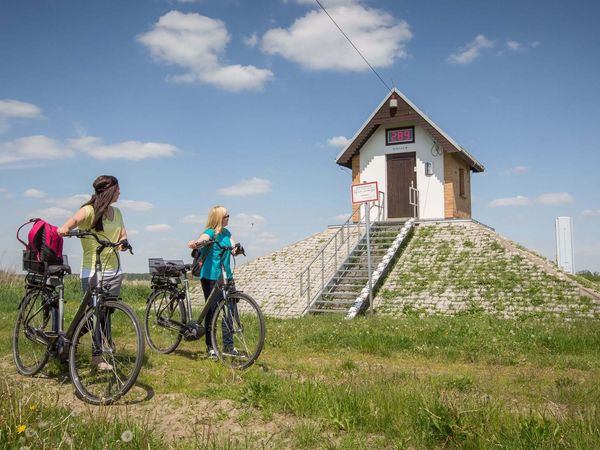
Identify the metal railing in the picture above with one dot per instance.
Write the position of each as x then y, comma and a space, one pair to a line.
413, 199
319, 271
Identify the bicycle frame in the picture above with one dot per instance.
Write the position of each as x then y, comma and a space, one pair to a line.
92, 298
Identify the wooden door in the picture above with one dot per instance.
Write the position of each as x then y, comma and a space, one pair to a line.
400, 174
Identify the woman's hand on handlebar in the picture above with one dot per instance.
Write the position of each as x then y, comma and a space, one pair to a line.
124, 245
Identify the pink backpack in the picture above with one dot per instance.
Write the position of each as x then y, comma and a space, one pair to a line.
44, 242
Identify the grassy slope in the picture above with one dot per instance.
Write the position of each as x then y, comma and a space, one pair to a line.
466, 381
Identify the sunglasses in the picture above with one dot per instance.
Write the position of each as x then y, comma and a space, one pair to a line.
226, 216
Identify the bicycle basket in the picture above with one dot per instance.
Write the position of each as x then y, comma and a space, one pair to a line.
31, 263
169, 268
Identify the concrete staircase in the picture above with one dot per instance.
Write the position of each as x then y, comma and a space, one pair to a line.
345, 286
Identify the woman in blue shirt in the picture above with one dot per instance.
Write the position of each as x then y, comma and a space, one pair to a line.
218, 219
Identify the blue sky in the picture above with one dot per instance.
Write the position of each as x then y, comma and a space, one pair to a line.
241, 103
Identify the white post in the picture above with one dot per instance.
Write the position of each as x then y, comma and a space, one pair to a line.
367, 220
564, 244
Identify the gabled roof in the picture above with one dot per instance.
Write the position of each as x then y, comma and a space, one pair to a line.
405, 112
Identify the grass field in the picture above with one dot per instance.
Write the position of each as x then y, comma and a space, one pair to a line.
467, 381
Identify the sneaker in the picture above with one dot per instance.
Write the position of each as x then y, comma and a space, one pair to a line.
100, 364
234, 352
213, 354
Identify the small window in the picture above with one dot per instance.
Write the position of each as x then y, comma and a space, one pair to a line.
461, 182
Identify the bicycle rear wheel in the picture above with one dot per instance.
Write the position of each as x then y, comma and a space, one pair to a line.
164, 313
238, 330
106, 353
30, 349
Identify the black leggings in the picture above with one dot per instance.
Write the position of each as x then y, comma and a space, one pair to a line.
207, 287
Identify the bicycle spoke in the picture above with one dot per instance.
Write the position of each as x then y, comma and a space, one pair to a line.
30, 348
238, 331
108, 357
163, 313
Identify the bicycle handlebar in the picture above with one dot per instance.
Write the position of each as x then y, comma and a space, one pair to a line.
103, 243
224, 248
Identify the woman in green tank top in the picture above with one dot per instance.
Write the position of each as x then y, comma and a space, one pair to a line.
98, 215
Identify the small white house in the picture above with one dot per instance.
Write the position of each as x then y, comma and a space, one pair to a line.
400, 147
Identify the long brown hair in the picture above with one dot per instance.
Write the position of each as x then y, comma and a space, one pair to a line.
104, 192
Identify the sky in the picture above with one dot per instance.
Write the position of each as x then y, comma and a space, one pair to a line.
246, 104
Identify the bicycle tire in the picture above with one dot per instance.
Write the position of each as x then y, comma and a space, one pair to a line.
160, 337
95, 385
240, 317
33, 318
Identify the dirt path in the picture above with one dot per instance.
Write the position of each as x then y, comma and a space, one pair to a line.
174, 416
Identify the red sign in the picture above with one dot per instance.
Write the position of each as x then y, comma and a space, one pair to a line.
404, 135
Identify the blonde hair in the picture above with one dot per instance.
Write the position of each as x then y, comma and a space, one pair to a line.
215, 218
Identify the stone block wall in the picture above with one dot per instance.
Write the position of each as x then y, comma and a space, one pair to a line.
273, 280
449, 268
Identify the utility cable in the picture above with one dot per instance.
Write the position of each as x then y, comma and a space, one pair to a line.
354, 46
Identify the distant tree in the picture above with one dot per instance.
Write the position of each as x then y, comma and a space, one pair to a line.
589, 275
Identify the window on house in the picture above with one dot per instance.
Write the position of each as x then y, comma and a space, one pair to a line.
461, 182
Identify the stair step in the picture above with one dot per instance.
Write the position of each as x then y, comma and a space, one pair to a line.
341, 293
330, 311
333, 302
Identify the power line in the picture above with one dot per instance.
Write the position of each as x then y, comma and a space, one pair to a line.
354, 46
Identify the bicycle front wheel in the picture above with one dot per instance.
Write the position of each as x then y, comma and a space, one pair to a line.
30, 348
163, 319
107, 353
238, 330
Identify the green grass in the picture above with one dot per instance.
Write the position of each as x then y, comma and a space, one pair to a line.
468, 381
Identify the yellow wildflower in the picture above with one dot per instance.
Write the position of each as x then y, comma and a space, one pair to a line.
32, 407
21, 429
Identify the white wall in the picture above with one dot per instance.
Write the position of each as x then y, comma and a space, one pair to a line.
373, 165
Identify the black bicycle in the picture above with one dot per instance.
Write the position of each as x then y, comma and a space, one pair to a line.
104, 344
237, 326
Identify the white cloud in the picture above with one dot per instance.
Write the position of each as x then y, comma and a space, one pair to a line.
555, 198
251, 41
132, 232
252, 186
265, 238
192, 218
517, 170
591, 213
75, 201
471, 51
315, 43
338, 141
14, 109
131, 150
514, 45
52, 213
134, 205
342, 217
158, 228
44, 148
328, 3
247, 224
519, 200
32, 147
34, 193
196, 43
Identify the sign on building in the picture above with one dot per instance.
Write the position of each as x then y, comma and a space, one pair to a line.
564, 244
365, 192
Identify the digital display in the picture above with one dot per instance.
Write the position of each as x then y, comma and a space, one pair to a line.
404, 135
